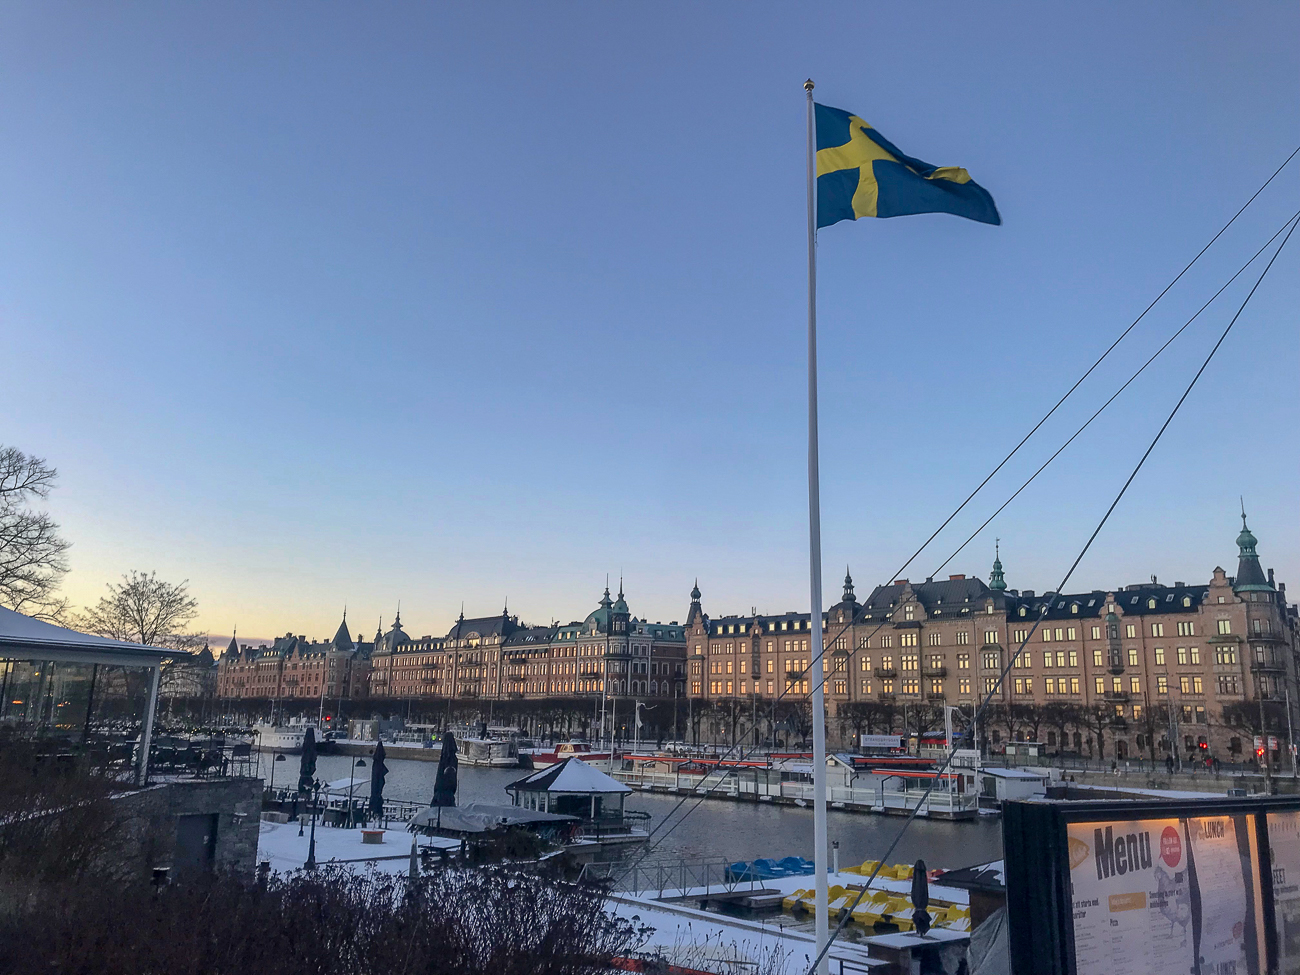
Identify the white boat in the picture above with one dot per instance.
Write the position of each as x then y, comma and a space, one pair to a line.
279, 738
546, 757
489, 752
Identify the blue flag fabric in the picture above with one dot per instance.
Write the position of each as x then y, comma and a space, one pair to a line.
860, 173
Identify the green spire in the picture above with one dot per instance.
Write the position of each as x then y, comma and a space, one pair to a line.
997, 581
1250, 574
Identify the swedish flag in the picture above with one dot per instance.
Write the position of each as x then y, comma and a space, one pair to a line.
860, 173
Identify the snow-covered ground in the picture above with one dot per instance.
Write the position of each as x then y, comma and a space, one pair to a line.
777, 945
281, 844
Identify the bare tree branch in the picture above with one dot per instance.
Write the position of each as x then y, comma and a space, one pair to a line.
32, 553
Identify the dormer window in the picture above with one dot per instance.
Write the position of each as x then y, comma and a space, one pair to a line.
1187, 601
907, 611
1022, 611
1151, 603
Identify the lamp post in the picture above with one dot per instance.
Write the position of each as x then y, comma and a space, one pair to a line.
352, 775
311, 846
278, 758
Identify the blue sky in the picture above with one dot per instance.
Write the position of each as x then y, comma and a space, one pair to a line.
315, 303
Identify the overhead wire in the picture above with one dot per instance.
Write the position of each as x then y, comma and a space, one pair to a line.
846, 912
650, 845
787, 693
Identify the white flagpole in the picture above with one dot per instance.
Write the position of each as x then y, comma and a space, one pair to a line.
822, 914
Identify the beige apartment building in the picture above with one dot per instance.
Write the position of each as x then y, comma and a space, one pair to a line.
611, 652
1136, 667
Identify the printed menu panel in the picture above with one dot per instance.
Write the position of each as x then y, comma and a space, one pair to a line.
1131, 894
1284, 851
1173, 896
1222, 867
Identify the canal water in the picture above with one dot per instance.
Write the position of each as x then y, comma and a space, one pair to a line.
714, 828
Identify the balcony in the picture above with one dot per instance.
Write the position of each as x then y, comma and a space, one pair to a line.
1260, 667
934, 671
1116, 697
1265, 638
1116, 667
934, 698
886, 672
887, 698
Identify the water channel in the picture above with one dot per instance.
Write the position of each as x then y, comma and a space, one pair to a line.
714, 828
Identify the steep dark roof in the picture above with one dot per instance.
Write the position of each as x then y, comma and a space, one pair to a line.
484, 626
1133, 601
342, 638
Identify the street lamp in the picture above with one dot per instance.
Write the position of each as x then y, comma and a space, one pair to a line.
278, 758
356, 764
311, 847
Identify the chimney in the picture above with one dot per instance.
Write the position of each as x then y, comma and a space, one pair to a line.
957, 577
1179, 585
1270, 577
900, 582
1028, 593
929, 578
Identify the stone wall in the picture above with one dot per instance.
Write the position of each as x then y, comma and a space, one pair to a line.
151, 818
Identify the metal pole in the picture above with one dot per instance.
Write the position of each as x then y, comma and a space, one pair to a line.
822, 913
90, 703
146, 734
1290, 732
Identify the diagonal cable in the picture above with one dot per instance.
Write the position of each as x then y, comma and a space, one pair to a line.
846, 913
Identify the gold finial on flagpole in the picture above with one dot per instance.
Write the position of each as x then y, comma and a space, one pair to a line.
808, 85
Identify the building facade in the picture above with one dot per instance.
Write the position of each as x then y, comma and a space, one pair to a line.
490, 658
611, 652
294, 668
1142, 670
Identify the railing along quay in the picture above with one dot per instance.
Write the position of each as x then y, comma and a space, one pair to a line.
756, 785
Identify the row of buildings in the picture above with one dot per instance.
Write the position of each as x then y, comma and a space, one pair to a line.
1192, 650
486, 658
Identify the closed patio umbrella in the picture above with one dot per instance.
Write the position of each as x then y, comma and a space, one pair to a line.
307, 768
444, 786
378, 772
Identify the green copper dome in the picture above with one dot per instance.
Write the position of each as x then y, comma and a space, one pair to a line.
997, 581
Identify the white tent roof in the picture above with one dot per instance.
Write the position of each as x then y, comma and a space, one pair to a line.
25, 638
571, 775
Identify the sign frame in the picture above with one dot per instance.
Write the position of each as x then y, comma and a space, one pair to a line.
1035, 842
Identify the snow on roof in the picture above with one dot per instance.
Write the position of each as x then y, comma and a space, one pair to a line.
571, 775
21, 636
985, 876
1013, 773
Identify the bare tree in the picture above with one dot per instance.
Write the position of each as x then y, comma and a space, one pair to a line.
145, 609
1061, 715
32, 553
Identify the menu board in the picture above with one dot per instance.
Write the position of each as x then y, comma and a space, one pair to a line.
1164, 896
1284, 853
1222, 861
1131, 896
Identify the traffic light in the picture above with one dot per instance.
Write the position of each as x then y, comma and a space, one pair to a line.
1259, 752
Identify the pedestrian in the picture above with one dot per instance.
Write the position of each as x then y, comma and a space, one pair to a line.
1169, 764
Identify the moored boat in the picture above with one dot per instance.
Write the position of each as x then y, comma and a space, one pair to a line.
279, 738
489, 752
546, 757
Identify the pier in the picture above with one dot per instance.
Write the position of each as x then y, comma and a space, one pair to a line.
765, 785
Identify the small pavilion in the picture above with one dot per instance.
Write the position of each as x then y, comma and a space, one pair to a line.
23, 638
571, 788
